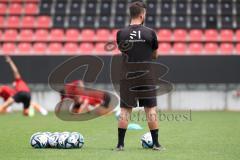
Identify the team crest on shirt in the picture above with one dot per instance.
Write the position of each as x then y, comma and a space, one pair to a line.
135, 36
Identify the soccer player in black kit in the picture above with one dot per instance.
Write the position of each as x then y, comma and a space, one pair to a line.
142, 47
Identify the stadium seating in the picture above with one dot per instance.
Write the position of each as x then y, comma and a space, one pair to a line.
39, 48
183, 27
26, 35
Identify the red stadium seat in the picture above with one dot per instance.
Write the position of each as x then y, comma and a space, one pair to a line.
10, 35
237, 49
18, 1
211, 35
195, 48
226, 35
211, 48
103, 35
100, 48
3, 8
237, 35
72, 35
86, 48
15, 9
57, 35
24, 48
164, 35
26, 35
111, 48
8, 48
28, 22
180, 48
71, 48
114, 34
55, 48
40, 48
2, 22
116, 51
13, 22
44, 22
226, 49
164, 48
179, 35
31, 9
88, 35
195, 35
34, 1
41, 35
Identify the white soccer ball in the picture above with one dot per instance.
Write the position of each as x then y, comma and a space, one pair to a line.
147, 141
53, 140
47, 133
81, 141
39, 140
74, 140
62, 140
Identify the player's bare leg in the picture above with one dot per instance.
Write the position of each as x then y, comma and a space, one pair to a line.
39, 108
122, 126
152, 119
6, 104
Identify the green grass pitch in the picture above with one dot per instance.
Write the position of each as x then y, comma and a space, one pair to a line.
210, 135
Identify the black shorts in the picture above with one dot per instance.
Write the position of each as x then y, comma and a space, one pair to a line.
23, 97
130, 98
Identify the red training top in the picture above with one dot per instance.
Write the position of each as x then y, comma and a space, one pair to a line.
20, 85
6, 92
72, 89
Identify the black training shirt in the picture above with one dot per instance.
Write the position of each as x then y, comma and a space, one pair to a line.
138, 42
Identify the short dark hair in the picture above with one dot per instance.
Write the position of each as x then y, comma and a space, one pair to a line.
136, 8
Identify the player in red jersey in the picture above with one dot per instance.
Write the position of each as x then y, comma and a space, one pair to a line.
84, 100
6, 92
20, 94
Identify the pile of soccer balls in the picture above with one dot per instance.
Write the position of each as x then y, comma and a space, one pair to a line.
64, 140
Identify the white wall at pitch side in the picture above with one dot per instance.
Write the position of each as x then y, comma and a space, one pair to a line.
178, 100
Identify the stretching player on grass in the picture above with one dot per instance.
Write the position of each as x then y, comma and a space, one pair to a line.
6, 92
21, 93
143, 49
84, 100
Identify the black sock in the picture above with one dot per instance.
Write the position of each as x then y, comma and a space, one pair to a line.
154, 134
121, 136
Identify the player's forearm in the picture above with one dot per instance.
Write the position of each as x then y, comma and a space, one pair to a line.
14, 69
6, 104
84, 106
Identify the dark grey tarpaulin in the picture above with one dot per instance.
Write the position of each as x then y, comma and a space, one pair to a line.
182, 69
